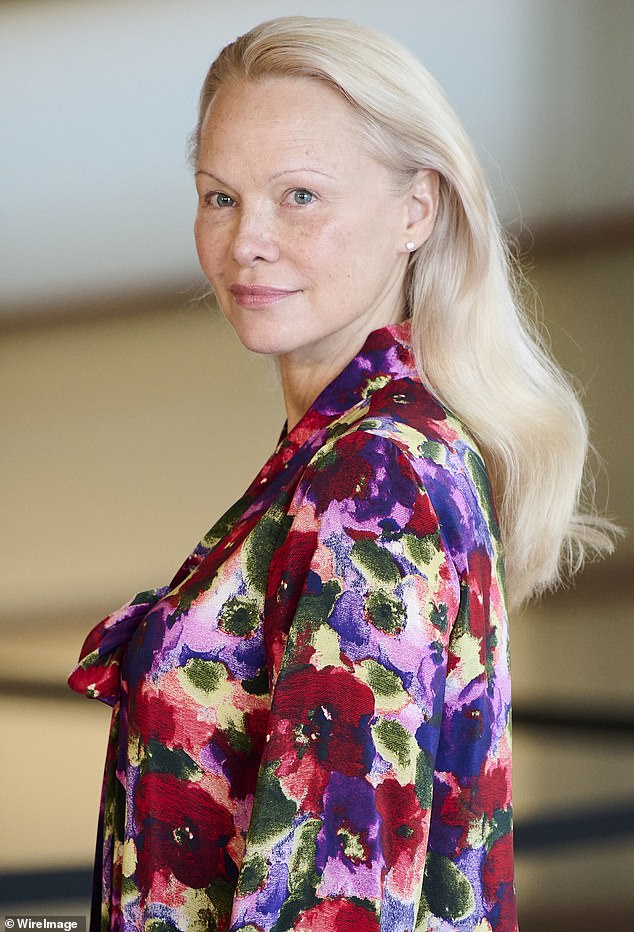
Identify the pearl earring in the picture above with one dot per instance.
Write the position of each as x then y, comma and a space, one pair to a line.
410, 245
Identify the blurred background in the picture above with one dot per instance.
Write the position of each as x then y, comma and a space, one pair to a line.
131, 417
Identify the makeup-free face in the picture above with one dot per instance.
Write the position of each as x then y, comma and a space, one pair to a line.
300, 232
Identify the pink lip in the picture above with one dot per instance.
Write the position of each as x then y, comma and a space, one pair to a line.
259, 295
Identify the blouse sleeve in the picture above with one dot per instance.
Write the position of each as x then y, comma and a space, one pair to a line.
361, 602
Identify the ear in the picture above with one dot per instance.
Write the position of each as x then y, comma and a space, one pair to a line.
421, 208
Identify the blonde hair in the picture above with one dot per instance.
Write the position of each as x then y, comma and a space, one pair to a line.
473, 345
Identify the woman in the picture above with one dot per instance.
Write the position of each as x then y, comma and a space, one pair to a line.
311, 721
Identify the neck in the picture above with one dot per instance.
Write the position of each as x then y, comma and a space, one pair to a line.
303, 382
306, 372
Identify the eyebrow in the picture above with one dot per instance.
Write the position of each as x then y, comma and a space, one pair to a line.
302, 169
286, 171
201, 171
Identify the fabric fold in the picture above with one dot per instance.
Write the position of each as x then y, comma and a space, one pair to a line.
311, 722
98, 671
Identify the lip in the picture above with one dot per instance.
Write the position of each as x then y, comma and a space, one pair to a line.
259, 295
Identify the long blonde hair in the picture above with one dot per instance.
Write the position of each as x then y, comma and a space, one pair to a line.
474, 347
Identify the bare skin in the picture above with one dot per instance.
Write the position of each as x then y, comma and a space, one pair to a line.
300, 232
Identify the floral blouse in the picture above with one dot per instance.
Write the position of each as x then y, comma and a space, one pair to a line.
310, 723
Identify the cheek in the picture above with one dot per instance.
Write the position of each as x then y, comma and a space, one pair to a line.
208, 247
199, 239
328, 248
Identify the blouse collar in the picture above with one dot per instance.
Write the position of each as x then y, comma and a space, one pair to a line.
386, 355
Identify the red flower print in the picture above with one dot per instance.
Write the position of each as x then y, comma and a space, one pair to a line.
493, 791
289, 565
182, 830
337, 916
287, 576
498, 884
241, 763
151, 715
360, 534
498, 866
402, 396
321, 724
100, 681
404, 831
423, 520
168, 714
347, 476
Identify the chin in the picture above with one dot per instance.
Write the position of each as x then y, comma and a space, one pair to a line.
265, 337
262, 340
261, 347
260, 332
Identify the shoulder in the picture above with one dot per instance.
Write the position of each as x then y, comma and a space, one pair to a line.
407, 413
361, 469
403, 428
443, 453
405, 447
370, 525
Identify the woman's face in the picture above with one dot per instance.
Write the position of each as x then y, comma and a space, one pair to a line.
300, 232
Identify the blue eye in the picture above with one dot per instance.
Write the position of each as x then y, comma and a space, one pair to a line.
217, 199
302, 196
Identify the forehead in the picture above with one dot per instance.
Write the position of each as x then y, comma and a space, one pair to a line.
247, 117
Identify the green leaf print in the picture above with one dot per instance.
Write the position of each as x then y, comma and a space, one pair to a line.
240, 616
425, 776
303, 878
149, 595
447, 890
395, 744
273, 812
385, 612
421, 551
213, 918
303, 875
385, 683
162, 759
314, 608
160, 925
253, 875
500, 825
261, 543
225, 524
430, 449
257, 685
205, 676
438, 616
375, 562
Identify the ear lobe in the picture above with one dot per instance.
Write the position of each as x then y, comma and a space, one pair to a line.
422, 206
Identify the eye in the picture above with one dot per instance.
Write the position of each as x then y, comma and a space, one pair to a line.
217, 199
301, 196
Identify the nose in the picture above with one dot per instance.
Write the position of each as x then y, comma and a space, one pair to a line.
254, 238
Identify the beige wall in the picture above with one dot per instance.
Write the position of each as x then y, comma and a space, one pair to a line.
125, 438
